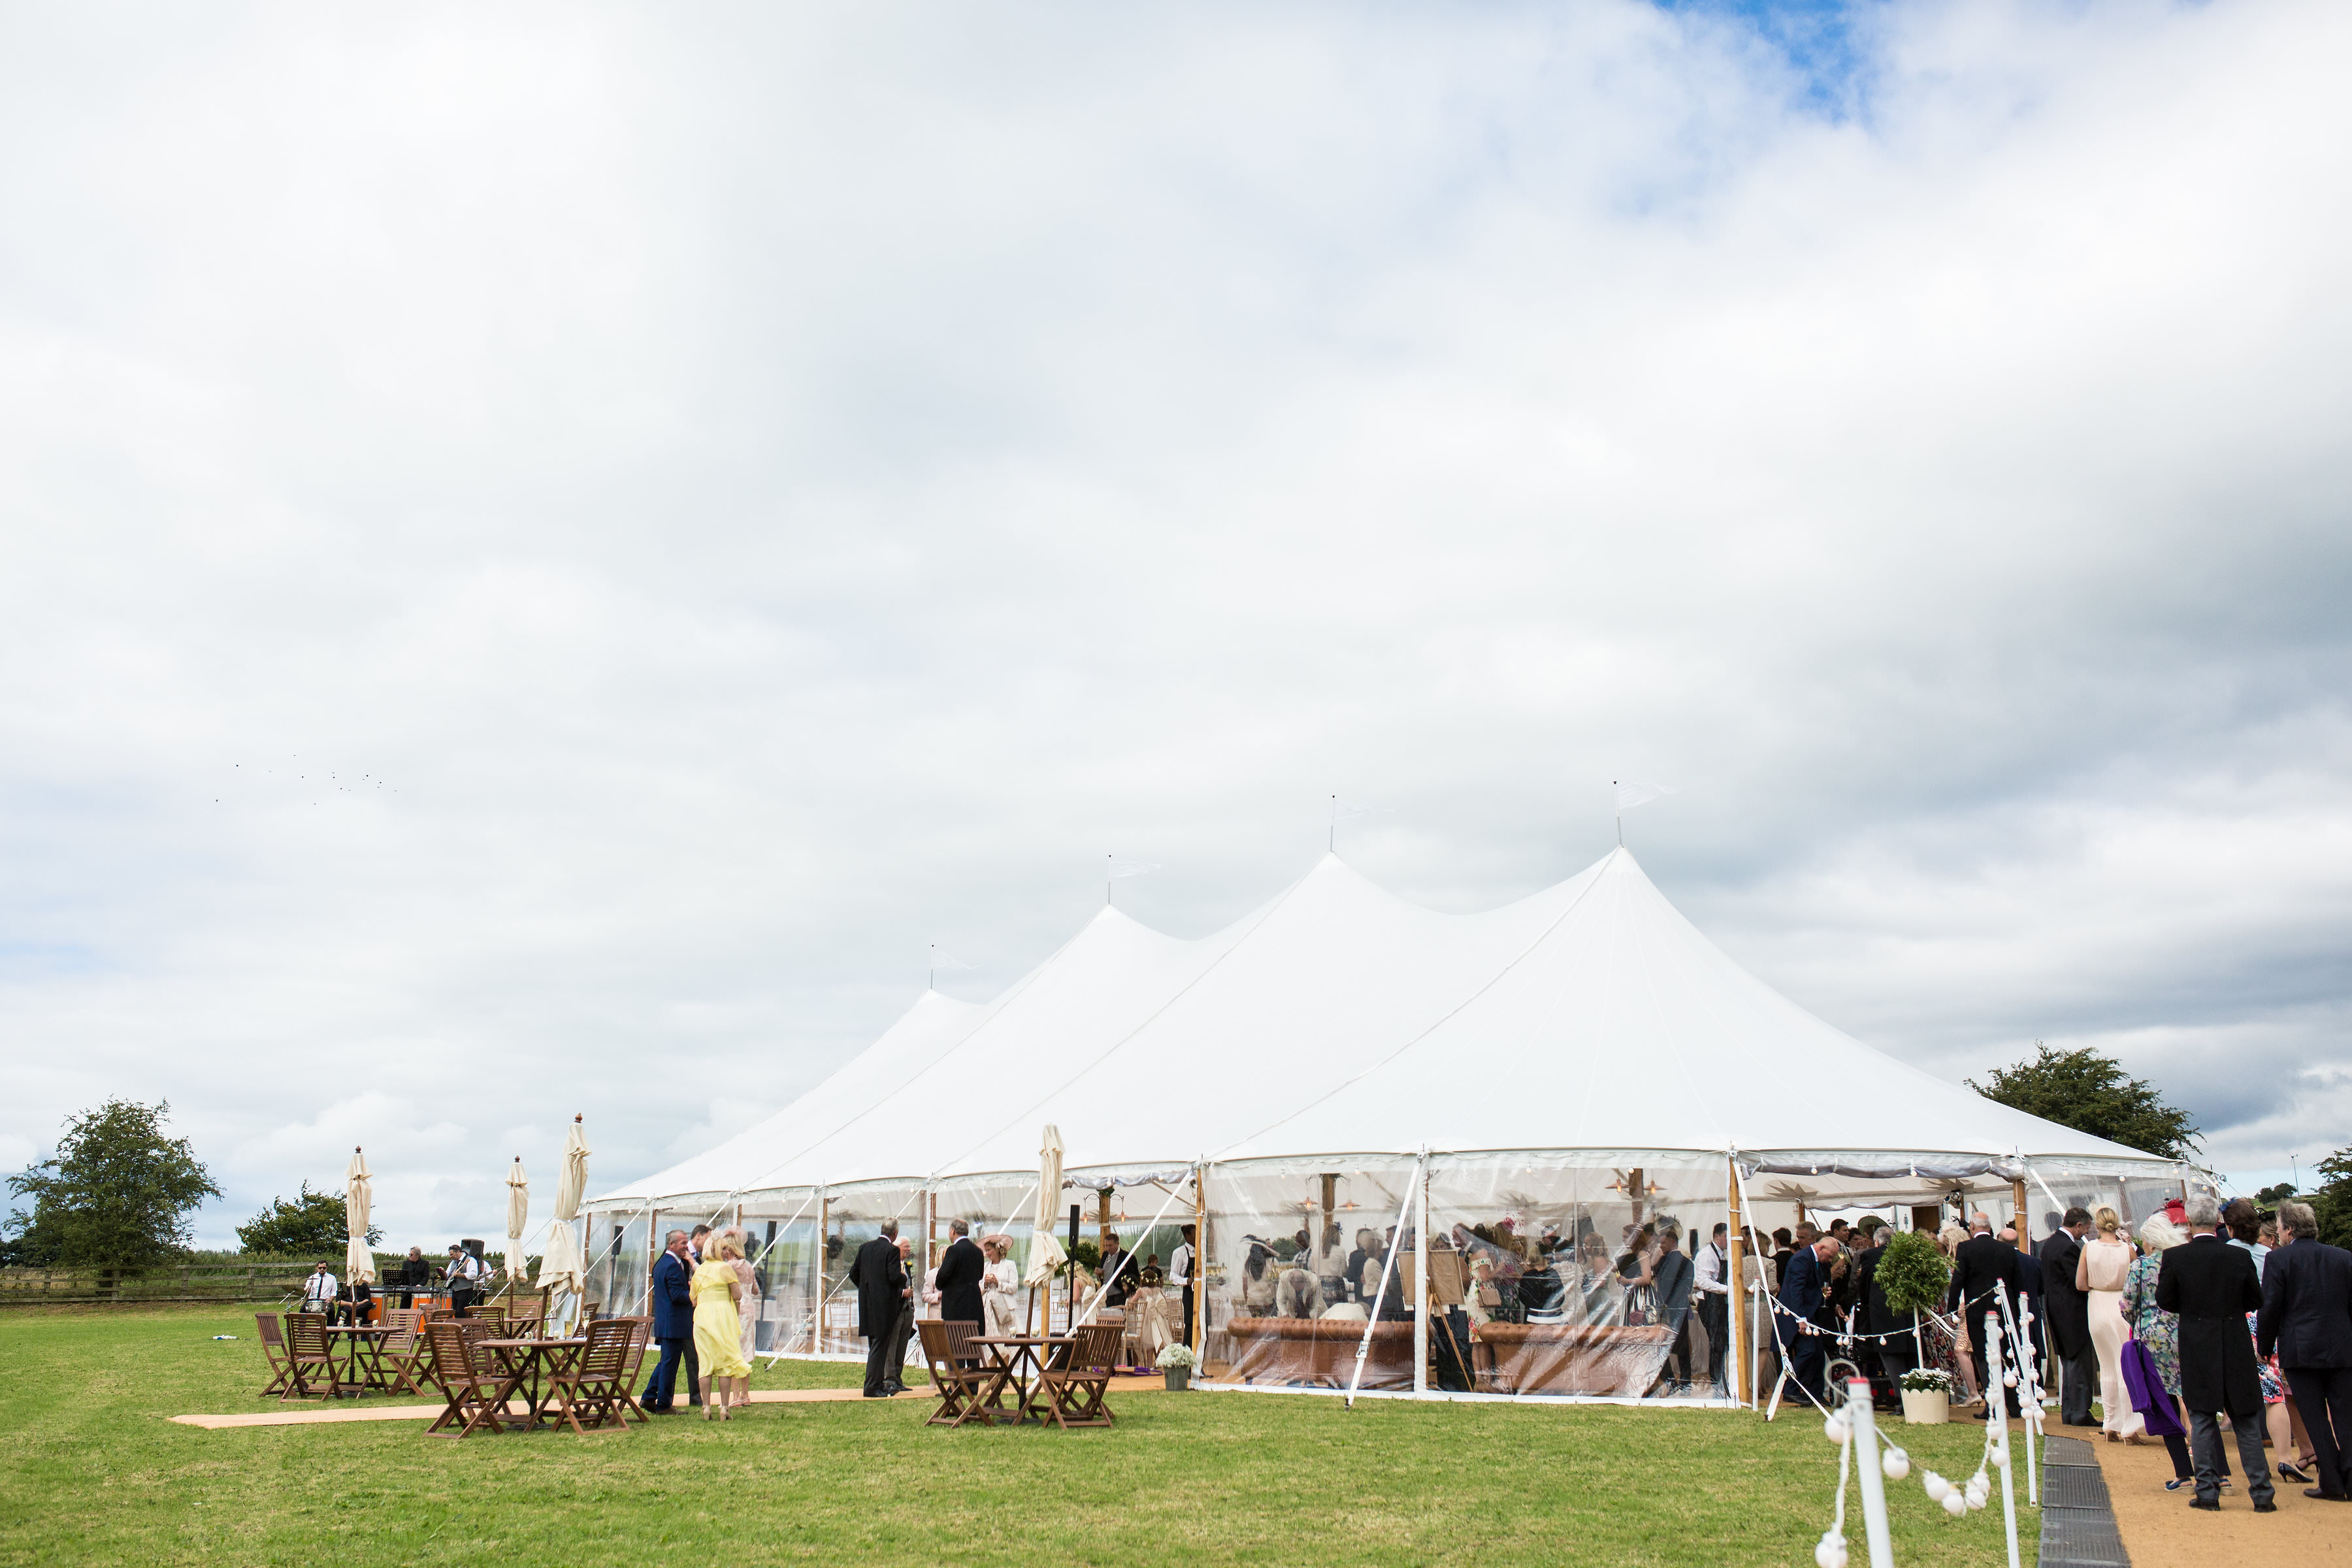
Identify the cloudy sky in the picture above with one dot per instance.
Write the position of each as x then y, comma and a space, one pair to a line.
546, 555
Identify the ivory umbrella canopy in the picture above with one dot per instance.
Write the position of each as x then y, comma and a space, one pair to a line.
359, 1261
562, 1267
517, 1216
1046, 1254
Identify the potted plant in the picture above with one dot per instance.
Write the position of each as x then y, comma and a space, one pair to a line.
1926, 1397
1176, 1364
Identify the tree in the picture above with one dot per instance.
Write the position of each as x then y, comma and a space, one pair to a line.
2331, 1202
314, 1223
116, 1192
2091, 1093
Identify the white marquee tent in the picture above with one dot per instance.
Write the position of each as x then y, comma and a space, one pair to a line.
1583, 1058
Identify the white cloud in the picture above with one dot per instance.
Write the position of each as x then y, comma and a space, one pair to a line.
548, 557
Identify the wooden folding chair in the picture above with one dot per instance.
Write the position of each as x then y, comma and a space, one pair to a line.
273, 1349
404, 1350
956, 1372
472, 1392
308, 1353
592, 1381
641, 1334
1076, 1382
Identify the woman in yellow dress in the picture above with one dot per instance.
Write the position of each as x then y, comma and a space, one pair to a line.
719, 1331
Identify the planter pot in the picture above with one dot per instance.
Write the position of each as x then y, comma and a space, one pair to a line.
1179, 1378
1926, 1406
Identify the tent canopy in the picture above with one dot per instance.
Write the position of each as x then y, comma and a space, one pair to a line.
1339, 1019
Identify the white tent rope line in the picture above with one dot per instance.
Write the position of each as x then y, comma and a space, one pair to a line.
1388, 1269
1492, 981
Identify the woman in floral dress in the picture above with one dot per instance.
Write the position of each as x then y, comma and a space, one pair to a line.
2160, 1331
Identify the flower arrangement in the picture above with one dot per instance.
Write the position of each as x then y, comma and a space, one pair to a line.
1175, 1355
1928, 1380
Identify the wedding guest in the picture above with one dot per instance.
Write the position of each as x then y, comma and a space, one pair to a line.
1892, 1329
2211, 1286
905, 1330
694, 1379
2160, 1331
999, 1282
880, 1277
673, 1324
2069, 1321
1119, 1274
466, 1274
717, 1293
747, 1304
2306, 1322
960, 1268
1985, 1270
2244, 1224
2103, 1263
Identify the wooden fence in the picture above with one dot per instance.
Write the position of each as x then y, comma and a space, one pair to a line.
225, 1282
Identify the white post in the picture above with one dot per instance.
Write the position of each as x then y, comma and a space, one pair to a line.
1421, 1274
1874, 1480
1997, 1408
2028, 1386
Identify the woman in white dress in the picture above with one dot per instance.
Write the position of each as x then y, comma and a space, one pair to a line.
2106, 1258
999, 1282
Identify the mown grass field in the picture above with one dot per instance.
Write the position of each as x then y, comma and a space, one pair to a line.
93, 1471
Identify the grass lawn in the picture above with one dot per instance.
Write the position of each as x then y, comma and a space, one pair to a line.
93, 1472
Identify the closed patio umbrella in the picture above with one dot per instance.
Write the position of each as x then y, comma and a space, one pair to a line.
565, 1266
358, 1262
517, 1215
1046, 1254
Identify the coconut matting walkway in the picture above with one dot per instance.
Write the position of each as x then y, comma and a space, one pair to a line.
2159, 1530
316, 1415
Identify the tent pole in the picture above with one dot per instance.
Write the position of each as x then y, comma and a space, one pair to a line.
1421, 1274
2017, 1202
823, 1228
1197, 1274
1735, 1288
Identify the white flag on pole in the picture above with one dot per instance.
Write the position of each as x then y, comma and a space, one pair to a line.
942, 959
1631, 795
1133, 868
1348, 811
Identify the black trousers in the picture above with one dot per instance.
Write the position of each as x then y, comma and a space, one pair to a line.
2205, 1443
1896, 1356
900, 1337
878, 1346
693, 1373
1715, 1316
2324, 1395
2081, 1380
1188, 1314
461, 1299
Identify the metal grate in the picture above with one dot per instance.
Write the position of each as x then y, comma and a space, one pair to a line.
2078, 1520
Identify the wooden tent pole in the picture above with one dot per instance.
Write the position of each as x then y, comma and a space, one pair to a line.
2017, 1202
1735, 1285
1200, 1261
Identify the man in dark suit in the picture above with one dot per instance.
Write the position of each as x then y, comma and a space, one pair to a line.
2069, 1321
1672, 1285
673, 1324
881, 1283
1897, 1351
2306, 1322
960, 1266
1981, 1266
2212, 1286
1804, 1291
